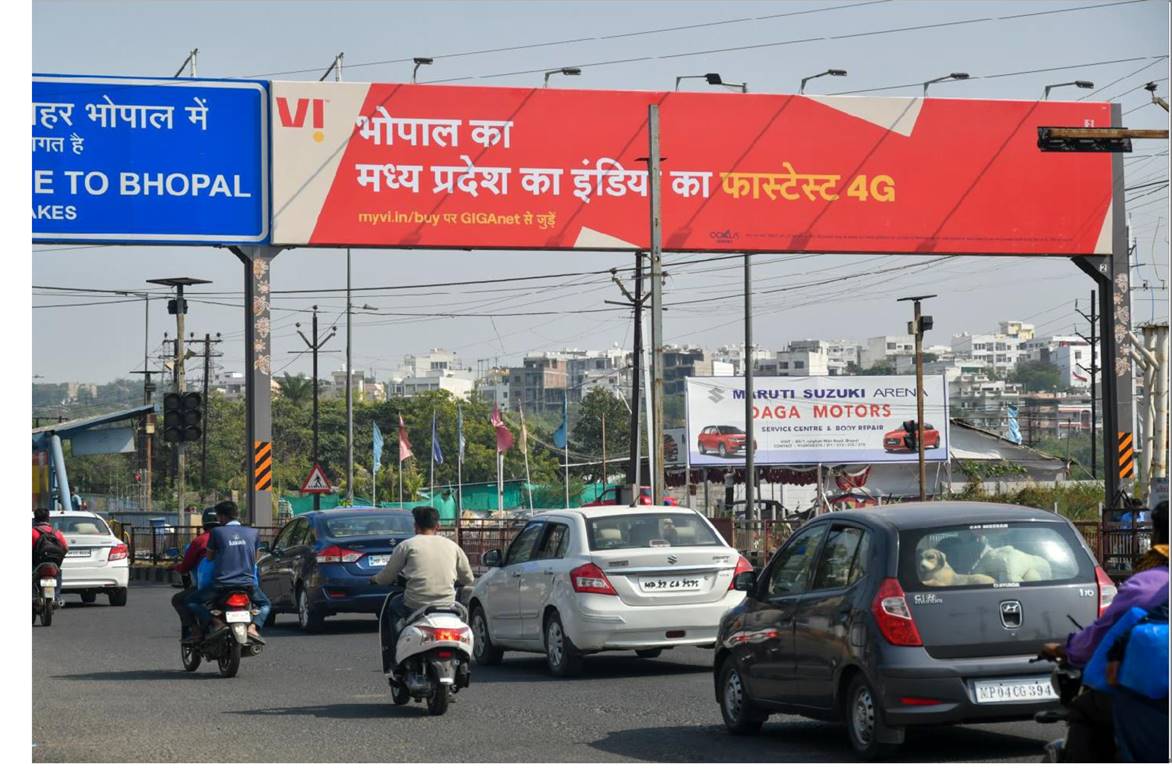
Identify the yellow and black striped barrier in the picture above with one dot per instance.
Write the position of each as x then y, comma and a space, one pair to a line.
263, 465
1126, 455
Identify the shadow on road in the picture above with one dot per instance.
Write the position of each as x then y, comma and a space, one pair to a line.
132, 675
533, 669
801, 740
344, 710
287, 627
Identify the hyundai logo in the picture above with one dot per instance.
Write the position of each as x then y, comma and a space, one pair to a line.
1011, 614
672, 559
715, 394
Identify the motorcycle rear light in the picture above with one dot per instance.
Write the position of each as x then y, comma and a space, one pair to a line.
893, 617
48, 570
589, 579
743, 566
237, 600
1107, 589
117, 552
337, 554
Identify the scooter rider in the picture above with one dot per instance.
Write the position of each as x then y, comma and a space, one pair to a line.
431, 564
196, 567
60, 546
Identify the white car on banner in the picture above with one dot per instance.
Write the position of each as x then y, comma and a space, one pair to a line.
817, 419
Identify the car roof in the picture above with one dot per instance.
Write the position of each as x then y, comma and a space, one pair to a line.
601, 511
943, 514
342, 513
73, 514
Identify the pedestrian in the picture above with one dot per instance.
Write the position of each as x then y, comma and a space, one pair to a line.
76, 500
447, 507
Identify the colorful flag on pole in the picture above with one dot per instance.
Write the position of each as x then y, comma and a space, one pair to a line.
1014, 427
504, 438
524, 432
460, 434
437, 454
378, 447
559, 435
404, 444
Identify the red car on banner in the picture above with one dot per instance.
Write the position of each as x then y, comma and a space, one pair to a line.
723, 440
895, 441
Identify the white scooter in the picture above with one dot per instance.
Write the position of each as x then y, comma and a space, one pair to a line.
433, 656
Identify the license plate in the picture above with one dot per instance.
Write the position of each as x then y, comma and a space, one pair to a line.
378, 561
233, 617
50, 583
675, 583
78, 552
1020, 690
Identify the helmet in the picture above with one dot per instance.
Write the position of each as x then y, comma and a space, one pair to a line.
210, 519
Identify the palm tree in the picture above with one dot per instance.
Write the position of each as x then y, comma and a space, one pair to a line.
297, 389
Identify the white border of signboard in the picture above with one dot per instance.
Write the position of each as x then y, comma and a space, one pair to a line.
265, 168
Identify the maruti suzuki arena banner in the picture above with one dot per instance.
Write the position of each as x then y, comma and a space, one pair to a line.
403, 165
821, 419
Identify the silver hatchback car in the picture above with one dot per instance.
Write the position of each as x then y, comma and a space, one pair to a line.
575, 582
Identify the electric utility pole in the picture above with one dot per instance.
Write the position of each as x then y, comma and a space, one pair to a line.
636, 302
1093, 340
917, 327
653, 160
315, 348
203, 438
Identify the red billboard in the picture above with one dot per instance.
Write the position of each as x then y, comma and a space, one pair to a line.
401, 165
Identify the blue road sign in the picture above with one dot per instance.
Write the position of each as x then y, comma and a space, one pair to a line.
141, 160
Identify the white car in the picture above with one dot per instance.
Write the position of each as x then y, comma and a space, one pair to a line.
96, 562
606, 578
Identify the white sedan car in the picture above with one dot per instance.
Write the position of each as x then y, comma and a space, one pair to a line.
574, 582
97, 561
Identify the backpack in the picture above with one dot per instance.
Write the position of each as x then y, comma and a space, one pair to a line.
1143, 652
48, 548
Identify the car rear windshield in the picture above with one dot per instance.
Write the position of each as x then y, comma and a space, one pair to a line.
80, 525
729, 431
1015, 553
370, 524
648, 531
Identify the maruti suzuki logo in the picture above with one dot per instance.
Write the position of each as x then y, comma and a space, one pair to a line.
315, 108
715, 394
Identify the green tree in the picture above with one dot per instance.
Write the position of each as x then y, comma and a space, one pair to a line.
587, 432
881, 367
1035, 376
297, 389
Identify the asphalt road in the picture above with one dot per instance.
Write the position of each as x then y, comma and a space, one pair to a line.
108, 686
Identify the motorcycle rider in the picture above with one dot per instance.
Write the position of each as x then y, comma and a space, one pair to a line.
432, 565
232, 548
194, 564
42, 526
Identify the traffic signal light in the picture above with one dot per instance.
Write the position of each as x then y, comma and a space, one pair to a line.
182, 417
909, 439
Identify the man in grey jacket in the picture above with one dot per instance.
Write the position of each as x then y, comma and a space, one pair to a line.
433, 567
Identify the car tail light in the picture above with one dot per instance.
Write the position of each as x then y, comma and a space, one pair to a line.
1107, 589
237, 600
743, 566
117, 552
918, 701
893, 617
445, 634
589, 579
336, 554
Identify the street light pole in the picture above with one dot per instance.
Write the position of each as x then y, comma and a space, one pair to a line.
750, 480
657, 481
917, 326
349, 394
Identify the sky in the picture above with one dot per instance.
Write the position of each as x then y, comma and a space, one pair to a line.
298, 41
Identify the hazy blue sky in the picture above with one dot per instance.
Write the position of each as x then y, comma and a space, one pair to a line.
269, 39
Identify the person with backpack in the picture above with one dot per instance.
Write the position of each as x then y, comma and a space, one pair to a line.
196, 568
49, 545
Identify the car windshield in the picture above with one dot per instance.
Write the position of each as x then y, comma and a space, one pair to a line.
987, 554
374, 523
79, 525
729, 431
647, 531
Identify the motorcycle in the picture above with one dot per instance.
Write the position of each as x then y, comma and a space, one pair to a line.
433, 656
227, 645
1067, 683
45, 592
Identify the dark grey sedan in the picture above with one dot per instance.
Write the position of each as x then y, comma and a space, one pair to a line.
915, 614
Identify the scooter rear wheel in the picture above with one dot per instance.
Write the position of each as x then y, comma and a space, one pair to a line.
437, 703
399, 693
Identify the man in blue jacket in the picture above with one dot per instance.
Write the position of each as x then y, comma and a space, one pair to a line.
232, 550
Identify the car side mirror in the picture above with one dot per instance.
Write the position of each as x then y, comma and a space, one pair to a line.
264, 548
745, 582
491, 558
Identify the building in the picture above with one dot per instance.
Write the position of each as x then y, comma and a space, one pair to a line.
540, 383
1016, 329
1070, 353
683, 362
886, 347
337, 387
374, 392
952, 368
795, 363
460, 385
981, 402
493, 388
998, 351
437, 361
841, 355
735, 356
1053, 414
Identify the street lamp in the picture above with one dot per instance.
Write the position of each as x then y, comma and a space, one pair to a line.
831, 72
562, 71
949, 77
1079, 84
420, 62
713, 79
918, 326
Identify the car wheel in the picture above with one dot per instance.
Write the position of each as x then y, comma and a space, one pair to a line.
483, 650
740, 716
89, 598
118, 596
308, 618
864, 716
561, 654
722, 450
648, 653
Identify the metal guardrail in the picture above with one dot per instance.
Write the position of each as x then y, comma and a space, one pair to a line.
155, 545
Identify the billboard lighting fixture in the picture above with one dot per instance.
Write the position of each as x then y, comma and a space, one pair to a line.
830, 72
715, 80
419, 62
949, 77
562, 71
1079, 84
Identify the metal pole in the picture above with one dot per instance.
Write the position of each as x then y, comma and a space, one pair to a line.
203, 438
316, 497
920, 400
636, 361
257, 262
180, 387
459, 467
1160, 458
750, 491
566, 446
500, 484
59, 472
604, 449
657, 490
400, 482
349, 375
1094, 392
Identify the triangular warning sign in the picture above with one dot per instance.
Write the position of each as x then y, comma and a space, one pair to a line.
316, 483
